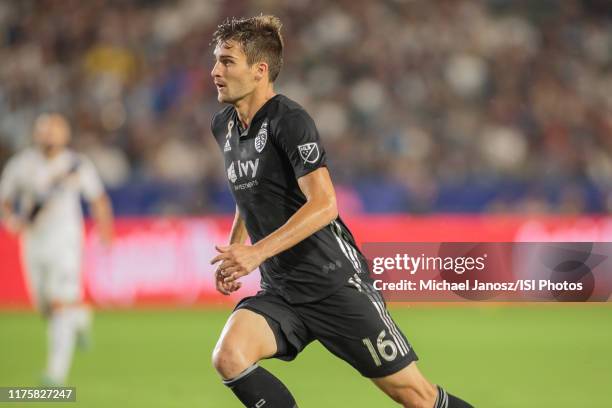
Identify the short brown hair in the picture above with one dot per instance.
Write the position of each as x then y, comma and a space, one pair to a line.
259, 37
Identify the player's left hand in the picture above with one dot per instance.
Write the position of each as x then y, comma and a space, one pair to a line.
237, 260
225, 288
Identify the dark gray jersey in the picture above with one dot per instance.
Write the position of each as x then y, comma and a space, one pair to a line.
263, 164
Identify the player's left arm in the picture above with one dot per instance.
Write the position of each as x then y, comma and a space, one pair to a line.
102, 212
319, 210
99, 203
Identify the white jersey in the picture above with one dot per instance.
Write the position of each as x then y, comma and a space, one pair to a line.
54, 186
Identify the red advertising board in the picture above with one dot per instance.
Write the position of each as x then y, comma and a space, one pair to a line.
166, 261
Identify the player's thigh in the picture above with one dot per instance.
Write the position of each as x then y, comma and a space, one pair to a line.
248, 334
35, 274
63, 284
289, 329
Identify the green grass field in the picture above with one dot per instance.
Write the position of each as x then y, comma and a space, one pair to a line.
495, 356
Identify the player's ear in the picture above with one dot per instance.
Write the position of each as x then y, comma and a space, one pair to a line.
261, 71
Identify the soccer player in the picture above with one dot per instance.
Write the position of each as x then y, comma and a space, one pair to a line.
315, 282
40, 199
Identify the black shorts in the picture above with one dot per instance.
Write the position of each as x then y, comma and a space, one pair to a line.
353, 323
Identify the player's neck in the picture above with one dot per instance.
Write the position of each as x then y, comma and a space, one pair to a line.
248, 106
51, 153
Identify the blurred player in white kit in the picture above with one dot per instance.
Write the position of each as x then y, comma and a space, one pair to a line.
40, 193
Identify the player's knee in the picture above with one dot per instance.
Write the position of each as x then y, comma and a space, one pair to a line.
48, 309
229, 360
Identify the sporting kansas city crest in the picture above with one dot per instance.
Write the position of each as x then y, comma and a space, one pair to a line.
309, 152
262, 137
231, 173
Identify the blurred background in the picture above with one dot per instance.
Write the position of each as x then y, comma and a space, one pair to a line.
424, 106
444, 120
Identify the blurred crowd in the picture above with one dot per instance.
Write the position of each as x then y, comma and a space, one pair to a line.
423, 106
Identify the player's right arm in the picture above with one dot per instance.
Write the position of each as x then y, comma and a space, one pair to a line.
238, 235
10, 221
8, 193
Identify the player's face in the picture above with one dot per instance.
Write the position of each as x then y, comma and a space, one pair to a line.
51, 133
233, 77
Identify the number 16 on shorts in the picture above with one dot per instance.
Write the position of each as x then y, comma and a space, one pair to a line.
387, 349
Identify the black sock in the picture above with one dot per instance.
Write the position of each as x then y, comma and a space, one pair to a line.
255, 387
446, 400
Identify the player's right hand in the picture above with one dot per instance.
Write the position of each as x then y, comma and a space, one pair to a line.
225, 287
14, 225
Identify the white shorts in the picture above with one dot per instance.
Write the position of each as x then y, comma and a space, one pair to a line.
54, 276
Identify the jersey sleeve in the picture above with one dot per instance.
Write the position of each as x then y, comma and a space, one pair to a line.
216, 128
91, 185
9, 184
213, 125
298, 137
